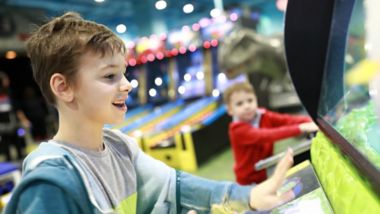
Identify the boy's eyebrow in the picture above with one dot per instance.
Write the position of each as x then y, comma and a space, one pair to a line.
113, 66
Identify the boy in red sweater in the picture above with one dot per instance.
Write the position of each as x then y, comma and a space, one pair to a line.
254, 130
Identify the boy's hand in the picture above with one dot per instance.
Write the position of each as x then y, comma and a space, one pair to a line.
308, 127
264, 196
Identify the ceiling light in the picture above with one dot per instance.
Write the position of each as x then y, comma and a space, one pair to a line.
187, 77
181, 89
160, 5
222, 77
134, 83
188, 8
158, 81
200, 75
215, 12
215, 93
152, 92
121, 28
99, 1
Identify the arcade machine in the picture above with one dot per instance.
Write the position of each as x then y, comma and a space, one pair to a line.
207, 137
156, 115
133, 115
168, 142
200, 130
144, 125
345, 154
147, 73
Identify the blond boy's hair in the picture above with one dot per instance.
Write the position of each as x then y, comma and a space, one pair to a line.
241, 86
57, 46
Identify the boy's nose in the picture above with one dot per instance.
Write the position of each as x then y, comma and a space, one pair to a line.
125, 85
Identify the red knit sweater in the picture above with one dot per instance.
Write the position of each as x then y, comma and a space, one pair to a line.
251, 144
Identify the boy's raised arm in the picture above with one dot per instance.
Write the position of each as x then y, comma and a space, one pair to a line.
278, 119
170, 190
251, 135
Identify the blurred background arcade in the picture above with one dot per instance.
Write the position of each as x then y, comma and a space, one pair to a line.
181, 57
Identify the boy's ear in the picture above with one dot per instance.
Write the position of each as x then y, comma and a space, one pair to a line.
61, 88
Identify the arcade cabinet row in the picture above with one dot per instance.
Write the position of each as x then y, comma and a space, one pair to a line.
183, 134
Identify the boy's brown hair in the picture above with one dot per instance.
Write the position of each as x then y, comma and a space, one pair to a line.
57, 46
240, 86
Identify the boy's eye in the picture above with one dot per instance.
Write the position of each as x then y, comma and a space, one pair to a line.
110, 76
239, 103
250, 100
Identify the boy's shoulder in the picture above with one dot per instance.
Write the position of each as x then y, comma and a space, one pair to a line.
51, 165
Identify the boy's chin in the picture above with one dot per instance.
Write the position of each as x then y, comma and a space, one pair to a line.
247, 119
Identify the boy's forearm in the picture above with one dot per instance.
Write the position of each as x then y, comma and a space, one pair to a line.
287, 119
247, 135
206, 195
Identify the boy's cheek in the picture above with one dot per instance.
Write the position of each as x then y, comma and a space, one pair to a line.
229, 111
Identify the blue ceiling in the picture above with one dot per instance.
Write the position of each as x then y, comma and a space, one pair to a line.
140, 16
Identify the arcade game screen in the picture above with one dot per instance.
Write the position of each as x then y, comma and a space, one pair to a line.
354, 113
191, 82
157, 81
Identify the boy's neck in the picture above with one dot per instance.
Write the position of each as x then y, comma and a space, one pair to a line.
80, 134
87, 141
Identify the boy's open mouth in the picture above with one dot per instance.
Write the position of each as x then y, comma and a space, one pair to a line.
120, 105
